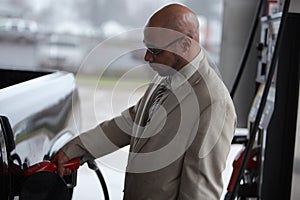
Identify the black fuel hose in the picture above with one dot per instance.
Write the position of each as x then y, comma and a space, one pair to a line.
231, 196
247, 49
92, 165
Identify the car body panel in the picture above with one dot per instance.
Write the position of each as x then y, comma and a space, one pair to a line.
44, 113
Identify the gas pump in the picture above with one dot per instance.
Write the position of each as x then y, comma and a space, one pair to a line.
269, 32
263, 169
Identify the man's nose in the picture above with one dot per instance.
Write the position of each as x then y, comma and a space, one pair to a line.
148, 56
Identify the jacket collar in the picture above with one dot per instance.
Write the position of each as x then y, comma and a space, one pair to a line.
187, 71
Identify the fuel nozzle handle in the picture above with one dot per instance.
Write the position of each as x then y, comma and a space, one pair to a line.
72, 164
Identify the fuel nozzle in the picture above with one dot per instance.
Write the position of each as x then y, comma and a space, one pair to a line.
72, 164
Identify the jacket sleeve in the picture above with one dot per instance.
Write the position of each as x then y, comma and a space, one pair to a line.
105, 138
205, 159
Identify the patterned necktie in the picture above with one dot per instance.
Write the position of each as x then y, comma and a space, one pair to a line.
160, 91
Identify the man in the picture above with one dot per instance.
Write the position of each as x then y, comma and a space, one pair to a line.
180, 131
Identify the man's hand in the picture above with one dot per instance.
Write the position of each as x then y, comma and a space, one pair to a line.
60, 158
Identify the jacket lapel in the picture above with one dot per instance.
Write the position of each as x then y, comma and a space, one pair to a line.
172, 102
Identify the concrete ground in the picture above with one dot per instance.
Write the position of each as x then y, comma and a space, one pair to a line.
101, 101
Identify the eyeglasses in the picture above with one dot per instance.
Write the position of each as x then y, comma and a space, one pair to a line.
156, 51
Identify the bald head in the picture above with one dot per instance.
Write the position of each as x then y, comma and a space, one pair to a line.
173, 31
178, 18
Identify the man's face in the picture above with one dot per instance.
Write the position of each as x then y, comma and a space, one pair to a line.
161, 47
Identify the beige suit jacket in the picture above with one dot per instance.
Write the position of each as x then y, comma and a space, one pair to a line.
181, 153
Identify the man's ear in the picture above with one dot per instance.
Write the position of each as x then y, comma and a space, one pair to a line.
186, 44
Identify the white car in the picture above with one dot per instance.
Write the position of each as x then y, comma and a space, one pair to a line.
60, 52
17, 29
